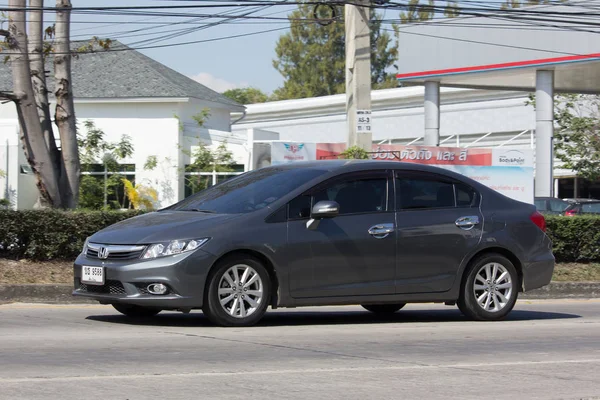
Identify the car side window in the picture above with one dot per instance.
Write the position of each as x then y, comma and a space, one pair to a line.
591, 208
540, 205
359, 195
466, 196
299, 208
557, 205
418, 193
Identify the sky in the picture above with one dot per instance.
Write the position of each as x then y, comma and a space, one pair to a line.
220, 65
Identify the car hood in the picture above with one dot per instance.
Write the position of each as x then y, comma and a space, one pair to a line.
161, 227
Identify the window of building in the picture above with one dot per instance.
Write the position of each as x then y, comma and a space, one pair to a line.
98, 183
196, 181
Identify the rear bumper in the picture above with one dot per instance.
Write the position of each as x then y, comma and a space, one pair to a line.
538, 273
126, 282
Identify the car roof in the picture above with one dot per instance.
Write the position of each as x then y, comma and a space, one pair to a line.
357, 165
345, 166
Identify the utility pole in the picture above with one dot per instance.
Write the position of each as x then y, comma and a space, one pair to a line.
358, 74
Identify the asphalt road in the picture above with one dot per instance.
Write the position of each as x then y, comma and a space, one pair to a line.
545, 350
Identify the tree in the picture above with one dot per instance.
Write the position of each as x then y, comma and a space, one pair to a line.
354, 152
311, 57
518, 4
577, 134
248, 95
206, 160
94, 150
56, 170
140, 197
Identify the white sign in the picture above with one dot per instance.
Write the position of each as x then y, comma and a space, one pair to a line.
282, 153
363, 121
507, 157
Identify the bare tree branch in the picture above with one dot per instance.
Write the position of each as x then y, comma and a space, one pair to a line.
8, 96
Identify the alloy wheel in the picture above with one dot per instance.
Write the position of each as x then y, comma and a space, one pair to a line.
240, 291
493, 287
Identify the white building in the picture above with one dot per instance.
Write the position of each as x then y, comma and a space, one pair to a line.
127, 93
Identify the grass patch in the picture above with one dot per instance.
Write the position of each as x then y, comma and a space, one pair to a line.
573, 272
24, 271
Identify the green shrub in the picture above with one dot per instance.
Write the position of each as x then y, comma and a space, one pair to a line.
575, 239
51, 234
59, 235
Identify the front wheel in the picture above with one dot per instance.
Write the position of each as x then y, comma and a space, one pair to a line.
383, 308
238, 292
136, 311
490, 289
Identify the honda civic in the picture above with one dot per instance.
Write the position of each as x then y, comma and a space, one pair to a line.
376, 233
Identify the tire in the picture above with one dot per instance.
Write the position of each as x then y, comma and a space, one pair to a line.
498, 297
133, 311
227, 303
383, 308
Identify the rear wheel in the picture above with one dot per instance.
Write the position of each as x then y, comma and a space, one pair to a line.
383, 308
238, 292
136, 311
490, 289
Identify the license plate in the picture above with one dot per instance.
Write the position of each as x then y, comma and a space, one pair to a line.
92, 275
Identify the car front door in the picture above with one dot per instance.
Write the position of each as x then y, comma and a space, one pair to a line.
438, 224
343, 256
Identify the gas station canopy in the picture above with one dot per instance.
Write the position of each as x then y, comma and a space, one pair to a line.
503, 50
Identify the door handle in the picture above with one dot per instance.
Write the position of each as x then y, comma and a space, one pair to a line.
381, 231
467, 223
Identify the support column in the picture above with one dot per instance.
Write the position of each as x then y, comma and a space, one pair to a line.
358, 74
544, 130
432, 113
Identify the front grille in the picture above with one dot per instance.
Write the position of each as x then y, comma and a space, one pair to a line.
115, 255
109, 287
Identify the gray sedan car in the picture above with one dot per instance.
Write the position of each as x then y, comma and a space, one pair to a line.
376, 233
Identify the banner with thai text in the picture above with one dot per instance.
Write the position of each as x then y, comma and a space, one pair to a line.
506, 170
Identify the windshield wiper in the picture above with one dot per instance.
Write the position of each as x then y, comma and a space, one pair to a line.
199, 210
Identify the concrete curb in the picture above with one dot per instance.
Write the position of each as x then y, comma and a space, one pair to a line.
565, 290
62, 293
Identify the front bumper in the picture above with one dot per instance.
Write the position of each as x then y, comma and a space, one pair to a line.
126, 282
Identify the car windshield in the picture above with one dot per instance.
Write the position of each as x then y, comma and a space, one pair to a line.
248, 192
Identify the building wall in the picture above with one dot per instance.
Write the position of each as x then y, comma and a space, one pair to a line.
154, 130
9, 153
397, 114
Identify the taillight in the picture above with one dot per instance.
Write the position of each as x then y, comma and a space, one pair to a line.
571, 213
539, 220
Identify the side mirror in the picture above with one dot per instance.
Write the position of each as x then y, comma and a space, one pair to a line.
325, 209
322, 210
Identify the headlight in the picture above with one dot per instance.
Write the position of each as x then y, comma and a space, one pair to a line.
87, 240
172, 247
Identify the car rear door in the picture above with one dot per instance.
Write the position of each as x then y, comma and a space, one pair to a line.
438, 223
344, 256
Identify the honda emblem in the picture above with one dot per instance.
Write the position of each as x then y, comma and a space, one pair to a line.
103, 253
